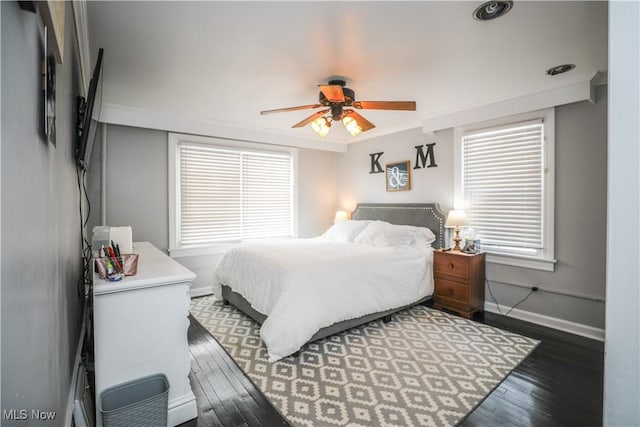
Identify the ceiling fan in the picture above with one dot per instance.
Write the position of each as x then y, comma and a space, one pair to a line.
337, 96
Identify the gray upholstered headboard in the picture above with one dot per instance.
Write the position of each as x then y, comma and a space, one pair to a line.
419, 214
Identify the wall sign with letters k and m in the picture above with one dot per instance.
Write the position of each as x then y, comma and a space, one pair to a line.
425, 158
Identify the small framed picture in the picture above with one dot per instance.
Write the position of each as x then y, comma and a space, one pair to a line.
398, 176
49, 89
471, 246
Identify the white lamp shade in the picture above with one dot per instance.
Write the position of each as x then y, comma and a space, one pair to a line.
456, 218
340, 216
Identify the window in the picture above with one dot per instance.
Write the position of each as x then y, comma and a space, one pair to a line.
505, 183
226, 192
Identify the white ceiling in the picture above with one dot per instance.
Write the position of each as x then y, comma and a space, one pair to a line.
224, 62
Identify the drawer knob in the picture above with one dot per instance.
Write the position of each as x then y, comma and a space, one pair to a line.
451, 265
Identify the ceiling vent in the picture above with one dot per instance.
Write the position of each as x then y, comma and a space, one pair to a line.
492, 9
559, 69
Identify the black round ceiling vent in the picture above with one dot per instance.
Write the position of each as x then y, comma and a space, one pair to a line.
492, 9
559, 69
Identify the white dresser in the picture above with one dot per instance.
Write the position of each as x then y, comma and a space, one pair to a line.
140, 328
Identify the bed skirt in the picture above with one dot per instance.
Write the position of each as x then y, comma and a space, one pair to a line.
231, 297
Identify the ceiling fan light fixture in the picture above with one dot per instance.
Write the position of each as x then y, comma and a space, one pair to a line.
492, 9
337, 99
352, 125
321, 126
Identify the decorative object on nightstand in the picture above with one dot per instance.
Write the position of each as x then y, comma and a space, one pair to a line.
340, 216
456, 219
471, 244
458, 281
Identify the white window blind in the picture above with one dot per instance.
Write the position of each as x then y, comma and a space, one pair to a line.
229, 195
267, 196
502, 184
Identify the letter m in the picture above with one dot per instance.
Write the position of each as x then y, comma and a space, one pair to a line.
422, 156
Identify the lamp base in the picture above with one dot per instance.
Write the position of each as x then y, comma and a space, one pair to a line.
457, 239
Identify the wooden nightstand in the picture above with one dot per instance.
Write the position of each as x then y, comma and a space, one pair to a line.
459, 282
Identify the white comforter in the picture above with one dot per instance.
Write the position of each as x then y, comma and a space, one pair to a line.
303, 285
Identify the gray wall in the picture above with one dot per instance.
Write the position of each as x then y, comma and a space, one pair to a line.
41, 263
580, 222
580, 207
137, 192
356, 184
137, 181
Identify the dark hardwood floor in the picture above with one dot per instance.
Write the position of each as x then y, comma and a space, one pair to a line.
559, 384
225, 396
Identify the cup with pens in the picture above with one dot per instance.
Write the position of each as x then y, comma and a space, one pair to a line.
113, 262
113, 265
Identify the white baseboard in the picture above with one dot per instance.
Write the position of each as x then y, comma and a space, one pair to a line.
199, 292
551, 322
68, 416
182, 409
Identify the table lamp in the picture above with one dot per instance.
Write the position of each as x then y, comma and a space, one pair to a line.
456, 219
340, 216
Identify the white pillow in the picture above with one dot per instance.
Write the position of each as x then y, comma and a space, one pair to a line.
421, 234
345, 231
381, 233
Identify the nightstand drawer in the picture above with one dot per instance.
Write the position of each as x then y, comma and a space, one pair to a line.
451, 266
452, 291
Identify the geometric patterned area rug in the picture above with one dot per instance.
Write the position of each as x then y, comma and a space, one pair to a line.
424, 368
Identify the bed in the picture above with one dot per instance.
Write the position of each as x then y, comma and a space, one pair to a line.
302, 290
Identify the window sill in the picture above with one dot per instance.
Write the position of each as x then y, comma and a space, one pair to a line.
521, 261
200, 250
213, 248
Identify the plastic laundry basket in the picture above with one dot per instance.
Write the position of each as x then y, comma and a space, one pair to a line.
141, 403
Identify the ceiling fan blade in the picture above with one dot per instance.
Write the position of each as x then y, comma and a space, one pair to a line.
385, 105
364, 124
333, 93
310, 119
281, 110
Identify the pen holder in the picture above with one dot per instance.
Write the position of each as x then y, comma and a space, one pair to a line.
106, 270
